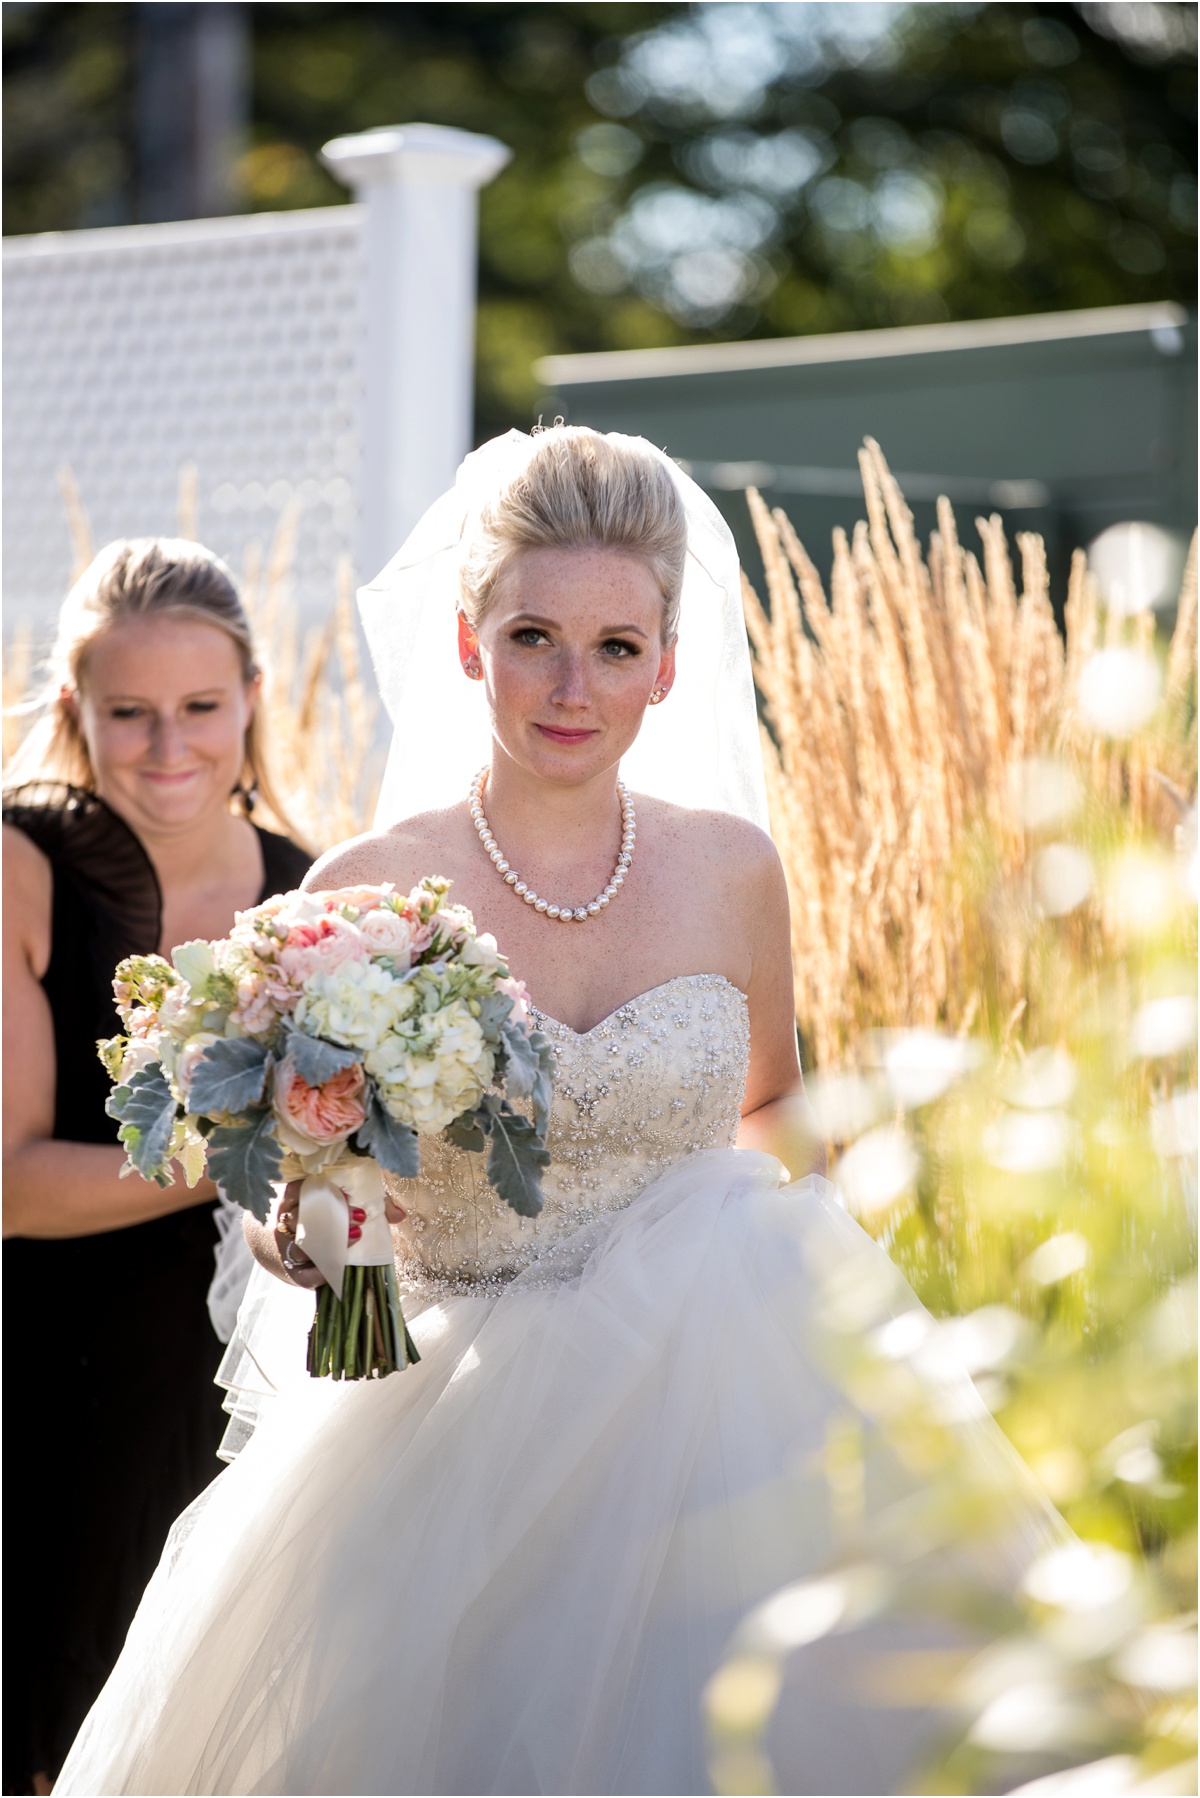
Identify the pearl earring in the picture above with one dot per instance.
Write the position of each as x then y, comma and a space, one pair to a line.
472, 670
658, 695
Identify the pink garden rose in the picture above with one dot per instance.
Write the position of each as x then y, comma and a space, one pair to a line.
362, 898
519, 995
324, 944
323, 1114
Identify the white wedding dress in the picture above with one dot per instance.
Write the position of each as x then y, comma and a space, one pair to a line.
514, 1567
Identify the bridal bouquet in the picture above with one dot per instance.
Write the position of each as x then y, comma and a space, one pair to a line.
318, 1042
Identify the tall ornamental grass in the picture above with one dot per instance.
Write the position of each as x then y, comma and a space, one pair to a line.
988, 827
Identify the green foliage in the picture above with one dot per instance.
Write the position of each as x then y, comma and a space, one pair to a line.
393, 1145
684, 173
529, 1070
515, 1156
316, 1061
245, 1161
229, 1076
145, 1109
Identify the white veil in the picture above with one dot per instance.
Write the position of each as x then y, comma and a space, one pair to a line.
699, 748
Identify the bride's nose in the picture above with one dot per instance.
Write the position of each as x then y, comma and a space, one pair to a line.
571, 687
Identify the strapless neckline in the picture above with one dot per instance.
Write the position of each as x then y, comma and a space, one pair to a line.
551, 1025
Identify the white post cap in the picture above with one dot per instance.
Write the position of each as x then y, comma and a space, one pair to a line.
416, 156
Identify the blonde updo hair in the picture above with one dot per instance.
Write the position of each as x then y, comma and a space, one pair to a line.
135, 577
581, 489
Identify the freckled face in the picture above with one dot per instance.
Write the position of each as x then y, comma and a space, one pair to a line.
571, 650
164, 710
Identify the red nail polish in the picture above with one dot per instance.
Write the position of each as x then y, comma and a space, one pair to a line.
355, 1232
358, 1214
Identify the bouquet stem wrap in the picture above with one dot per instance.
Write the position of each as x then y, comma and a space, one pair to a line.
322, 1227
359, 1330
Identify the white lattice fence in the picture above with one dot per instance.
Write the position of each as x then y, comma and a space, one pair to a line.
233, 344
240, 345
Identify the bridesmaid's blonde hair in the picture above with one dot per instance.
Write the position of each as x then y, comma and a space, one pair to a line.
135, 577
581, 489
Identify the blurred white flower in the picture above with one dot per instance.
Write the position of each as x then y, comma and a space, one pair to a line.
1131, 1457
1028, 1142
921, 1064
902, 1336
1144, 891
1080, 1576
1062, 878
984, 1338
1058, 1258
1173, 1124
1162, 1658
1046, 793
1109, 1778
1043, 1081
845, 1105
801, 1613
1136, 566
1027, 1718
1164, 1026
1119, 690
878, 1170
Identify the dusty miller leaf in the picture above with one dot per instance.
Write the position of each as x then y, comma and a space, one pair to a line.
145, 1109
229, 1076
394, 1146
515, 1159
466, 1132
492, 1012
316, 1061
529, 1071
245, 1161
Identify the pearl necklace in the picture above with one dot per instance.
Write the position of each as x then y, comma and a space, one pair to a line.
565, 913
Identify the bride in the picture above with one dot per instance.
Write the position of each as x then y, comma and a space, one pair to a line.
515, 1567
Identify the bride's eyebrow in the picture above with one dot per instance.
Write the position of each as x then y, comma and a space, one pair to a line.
524, 619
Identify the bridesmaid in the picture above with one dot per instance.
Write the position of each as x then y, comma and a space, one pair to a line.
127, 829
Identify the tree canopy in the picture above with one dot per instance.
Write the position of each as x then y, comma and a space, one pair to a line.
693, 173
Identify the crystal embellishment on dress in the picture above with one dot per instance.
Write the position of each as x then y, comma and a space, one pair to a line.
661, 1077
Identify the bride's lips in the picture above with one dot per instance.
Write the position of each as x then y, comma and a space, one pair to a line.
557, 735
170, 780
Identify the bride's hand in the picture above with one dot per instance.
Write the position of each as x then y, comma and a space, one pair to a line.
296, 1265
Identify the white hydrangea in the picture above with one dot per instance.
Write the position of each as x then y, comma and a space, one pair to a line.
429, 1077
356, 1004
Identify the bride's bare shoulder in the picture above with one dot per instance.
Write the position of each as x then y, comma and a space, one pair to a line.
402, 854
720, 837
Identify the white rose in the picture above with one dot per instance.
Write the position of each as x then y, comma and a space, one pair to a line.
387, 933
481, 952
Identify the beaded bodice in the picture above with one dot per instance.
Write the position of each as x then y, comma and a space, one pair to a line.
659, 1079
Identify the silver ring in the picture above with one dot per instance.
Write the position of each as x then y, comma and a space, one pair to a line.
288, 1260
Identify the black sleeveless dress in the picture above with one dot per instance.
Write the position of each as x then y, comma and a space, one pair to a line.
111, 1418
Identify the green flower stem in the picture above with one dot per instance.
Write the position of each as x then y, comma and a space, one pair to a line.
362, 1336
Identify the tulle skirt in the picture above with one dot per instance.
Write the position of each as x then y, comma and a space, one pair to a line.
515, 1567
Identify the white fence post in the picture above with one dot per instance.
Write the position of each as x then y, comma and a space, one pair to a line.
420, 186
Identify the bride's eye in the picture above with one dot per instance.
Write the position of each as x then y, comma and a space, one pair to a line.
530, 636
617, 649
